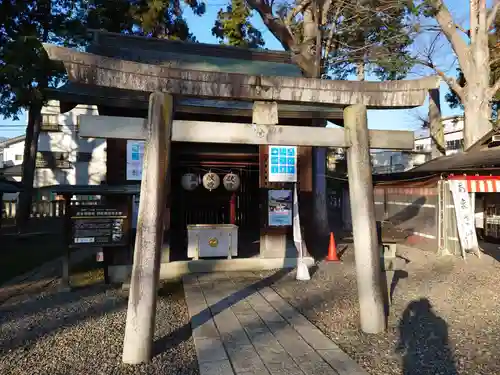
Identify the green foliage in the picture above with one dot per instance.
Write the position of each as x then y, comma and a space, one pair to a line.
154, 18
25, 69
233, 26
377, 36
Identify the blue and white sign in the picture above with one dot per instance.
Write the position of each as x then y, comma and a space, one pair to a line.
135, 158
282, 164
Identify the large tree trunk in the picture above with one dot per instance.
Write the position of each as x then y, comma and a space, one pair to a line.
477, 96
477, 111
30, 150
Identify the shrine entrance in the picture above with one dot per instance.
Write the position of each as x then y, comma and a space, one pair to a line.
165, 83
195, 204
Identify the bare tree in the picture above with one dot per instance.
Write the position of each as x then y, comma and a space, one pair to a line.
334, 39
472, 51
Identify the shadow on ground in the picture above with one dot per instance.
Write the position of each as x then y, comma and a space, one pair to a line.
423, 341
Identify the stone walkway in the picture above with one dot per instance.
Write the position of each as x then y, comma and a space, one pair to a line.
244, 327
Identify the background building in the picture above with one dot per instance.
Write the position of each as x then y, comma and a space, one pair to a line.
63, 157
453, 136
11, 151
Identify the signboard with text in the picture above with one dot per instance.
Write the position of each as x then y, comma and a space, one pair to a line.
99, 225
135, 158
464, 215
282, 164
280, 208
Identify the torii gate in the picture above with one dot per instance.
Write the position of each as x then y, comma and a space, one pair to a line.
160, 129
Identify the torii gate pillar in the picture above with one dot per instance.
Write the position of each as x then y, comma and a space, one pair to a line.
141, 312
366, 248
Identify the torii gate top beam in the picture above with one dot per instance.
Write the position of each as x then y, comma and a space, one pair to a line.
102, 71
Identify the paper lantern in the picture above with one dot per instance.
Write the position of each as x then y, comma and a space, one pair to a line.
231, 182
189, 181
211, 181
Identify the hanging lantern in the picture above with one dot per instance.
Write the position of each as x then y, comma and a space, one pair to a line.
189, 181
231, 182
211, 181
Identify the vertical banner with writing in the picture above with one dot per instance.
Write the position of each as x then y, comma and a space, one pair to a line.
464, 215
297, 234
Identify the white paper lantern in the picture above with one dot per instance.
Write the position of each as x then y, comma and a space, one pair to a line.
231, 182
189, 181
211, 181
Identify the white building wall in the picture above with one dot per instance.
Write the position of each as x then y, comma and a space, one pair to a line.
13, 154
67, 140
453, 131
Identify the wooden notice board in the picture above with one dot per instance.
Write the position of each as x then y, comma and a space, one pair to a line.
102, 225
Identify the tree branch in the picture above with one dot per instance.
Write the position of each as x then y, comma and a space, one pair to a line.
494, 89
452, 82
274, 24
448, 26
492, 14
296, 11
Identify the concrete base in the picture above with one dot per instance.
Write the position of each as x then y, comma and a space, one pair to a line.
174, 270
274, 246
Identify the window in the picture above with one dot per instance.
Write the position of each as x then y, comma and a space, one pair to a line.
456, 144
18, 157
47, 159
84, 157
419, 147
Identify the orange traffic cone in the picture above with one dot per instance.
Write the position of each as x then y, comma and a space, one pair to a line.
332, 250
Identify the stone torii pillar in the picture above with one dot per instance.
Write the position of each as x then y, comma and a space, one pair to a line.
141, 310
366, 246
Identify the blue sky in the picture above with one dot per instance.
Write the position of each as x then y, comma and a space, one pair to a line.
377, 119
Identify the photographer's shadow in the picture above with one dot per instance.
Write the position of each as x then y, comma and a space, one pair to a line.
423, 341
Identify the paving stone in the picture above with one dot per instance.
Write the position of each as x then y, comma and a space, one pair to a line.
227, 322
239, 330
311, 334
284, 368
266, 312
341, 362
241, 306
235, 338
209, 350
203, 326
244, 358
216, 368
291, 341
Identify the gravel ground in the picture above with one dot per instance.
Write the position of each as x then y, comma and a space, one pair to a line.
444, 318
81, 332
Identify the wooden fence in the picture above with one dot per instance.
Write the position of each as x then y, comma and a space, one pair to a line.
39, 209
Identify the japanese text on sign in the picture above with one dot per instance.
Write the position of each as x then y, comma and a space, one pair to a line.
99, 225
282, 164
135, 157
464, 215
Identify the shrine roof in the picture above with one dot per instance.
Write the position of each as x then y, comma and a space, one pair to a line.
190, 56
102, 189
193, 56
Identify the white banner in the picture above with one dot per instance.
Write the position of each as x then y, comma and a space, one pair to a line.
297, 234
464, 215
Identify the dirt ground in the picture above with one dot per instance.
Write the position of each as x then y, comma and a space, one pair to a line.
444, 318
